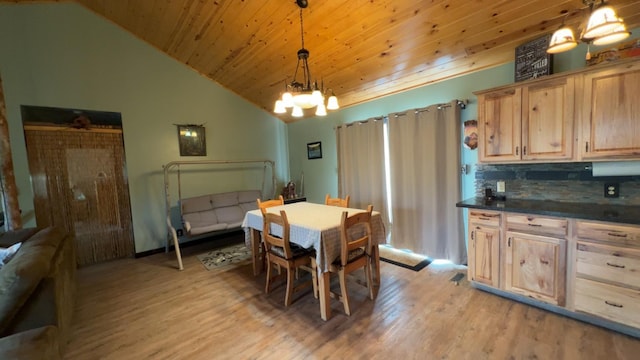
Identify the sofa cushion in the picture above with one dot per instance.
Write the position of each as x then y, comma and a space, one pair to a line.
229, 214
248, 206
195, 204
20, 277
51, 236
246, 196
41, 343
202, 222
224, 199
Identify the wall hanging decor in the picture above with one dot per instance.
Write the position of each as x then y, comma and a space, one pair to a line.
314, 150
191, 139
532, 59
471, 134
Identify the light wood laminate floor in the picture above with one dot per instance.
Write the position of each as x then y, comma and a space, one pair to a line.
146, 309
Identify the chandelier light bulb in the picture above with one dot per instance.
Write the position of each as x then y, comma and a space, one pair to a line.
279, 108
287, 100
321, 110
317, 96
332, 104
297, 111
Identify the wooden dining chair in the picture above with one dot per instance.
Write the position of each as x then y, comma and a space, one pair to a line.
270, 203
290, 256
263, 205
336, 201
355, 253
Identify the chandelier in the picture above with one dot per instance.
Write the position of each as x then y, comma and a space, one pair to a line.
299, 96
603, 27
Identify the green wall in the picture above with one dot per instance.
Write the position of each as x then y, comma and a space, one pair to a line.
63, 55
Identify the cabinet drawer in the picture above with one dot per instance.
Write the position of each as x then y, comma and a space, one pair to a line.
489, 218
537, 224
611, 302
611, 264
613, 234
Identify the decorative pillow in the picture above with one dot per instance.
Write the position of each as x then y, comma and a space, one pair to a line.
7, 253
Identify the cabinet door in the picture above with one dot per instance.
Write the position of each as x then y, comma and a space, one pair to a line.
499, 120
611, 113
484, 253
536, 267
547, 120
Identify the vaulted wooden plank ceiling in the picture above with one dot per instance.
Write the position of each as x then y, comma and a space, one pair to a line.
362, 49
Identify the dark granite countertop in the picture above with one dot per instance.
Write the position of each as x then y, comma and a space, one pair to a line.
612, 213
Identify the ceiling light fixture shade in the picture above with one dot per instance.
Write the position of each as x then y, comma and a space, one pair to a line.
618, 34
332, 104
562, 40
602, 22
321, 110
297, 111
306, 94
603, 27
279, 108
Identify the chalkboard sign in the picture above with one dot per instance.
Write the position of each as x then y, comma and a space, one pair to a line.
532, 60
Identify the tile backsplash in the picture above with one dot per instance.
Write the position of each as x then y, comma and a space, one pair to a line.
568, 182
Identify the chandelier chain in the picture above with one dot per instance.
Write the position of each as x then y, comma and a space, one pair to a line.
301, 29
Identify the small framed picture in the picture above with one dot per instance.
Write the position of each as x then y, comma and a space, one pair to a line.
471, 134
191, 139
314, 150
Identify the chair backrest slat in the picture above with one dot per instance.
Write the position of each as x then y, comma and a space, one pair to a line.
337, 201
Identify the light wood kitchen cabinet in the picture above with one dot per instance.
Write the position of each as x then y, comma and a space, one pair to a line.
535, 257
607, 280
499, 121
586, 269
484, 247
610, 113
547, 120
529, 122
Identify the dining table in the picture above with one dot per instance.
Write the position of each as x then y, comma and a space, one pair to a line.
314, 226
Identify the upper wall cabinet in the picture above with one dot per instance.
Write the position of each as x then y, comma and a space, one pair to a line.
611, 113
499, 120
532, 122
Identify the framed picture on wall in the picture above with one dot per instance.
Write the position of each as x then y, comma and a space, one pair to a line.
314, 150
471, 134
191, 139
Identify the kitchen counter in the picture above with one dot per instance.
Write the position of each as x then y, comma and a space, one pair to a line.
611, 213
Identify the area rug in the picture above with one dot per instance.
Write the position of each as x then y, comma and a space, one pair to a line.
404, 258
230, 255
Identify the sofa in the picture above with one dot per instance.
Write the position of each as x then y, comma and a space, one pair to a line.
217, 212
37, 294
